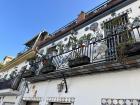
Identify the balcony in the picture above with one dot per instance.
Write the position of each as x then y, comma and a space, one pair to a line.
118, 51
10, 87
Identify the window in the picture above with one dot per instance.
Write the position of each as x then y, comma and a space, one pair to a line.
116, 32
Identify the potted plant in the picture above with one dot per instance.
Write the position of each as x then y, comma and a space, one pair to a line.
84, 40
60, 47
78, 61
13, 74
79, 58
48, 66
73, 41
1, 65
136, 22
88, 38
52, 50
123, 49
81, 41
28, 73
31, 71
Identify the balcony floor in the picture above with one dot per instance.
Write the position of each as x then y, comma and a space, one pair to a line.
133, 62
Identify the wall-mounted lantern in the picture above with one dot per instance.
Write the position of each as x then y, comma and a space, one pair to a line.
63, 84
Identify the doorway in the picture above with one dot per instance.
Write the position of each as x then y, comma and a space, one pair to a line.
55, 103
32, 103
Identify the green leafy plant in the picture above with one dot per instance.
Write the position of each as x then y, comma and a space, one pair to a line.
1, 65
136, 22
73, 41
121, 48
81, 40
52, 50
60, 46
85, 39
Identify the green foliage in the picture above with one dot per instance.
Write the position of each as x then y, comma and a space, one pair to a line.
1, 65
84, 38
73, 40
129, 41
60, 45
122, 47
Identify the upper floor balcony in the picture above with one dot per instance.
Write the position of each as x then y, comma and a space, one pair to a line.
119, 49
10, 86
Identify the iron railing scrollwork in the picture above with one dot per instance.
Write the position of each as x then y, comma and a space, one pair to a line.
101, 50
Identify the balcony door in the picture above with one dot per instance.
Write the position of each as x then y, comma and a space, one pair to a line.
116, 32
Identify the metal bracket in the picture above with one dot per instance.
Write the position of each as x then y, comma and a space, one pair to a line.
65, 83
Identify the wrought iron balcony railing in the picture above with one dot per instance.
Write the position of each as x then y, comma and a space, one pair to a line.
115, 52
114, 47
10, 84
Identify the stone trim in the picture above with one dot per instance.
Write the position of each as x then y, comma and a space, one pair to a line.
32, 99
111, 101
61, 99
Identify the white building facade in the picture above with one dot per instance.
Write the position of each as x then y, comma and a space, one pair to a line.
105, 81
92, 60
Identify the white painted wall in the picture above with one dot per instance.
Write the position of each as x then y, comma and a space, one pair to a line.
90, 89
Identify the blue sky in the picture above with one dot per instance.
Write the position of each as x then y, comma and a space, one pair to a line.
20, 20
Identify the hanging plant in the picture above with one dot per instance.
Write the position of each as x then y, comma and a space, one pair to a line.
87, 39
81, 41
66, 47
122, 49
48, 66
13, 74
52, 51
119, 28
136, 22
1, 65
72, 42
84, 40
60, 47
5, 77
